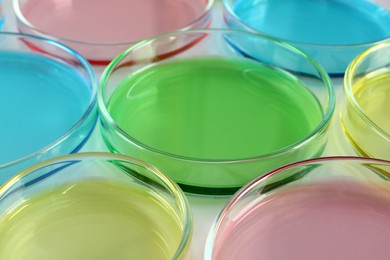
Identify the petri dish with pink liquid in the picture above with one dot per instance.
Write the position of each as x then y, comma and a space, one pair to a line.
100, 29
326, 208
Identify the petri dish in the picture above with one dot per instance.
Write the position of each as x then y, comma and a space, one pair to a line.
333, 32
100, 29
326, 208
47, 103
93, 206
210, 117
365, 114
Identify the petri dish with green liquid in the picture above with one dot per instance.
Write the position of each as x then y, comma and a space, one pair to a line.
93, 206
210, 116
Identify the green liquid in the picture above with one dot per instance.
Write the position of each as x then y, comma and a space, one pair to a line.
93, 220
215, 108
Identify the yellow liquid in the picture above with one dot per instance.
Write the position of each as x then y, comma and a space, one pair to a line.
372, 93
90, 221
373, 96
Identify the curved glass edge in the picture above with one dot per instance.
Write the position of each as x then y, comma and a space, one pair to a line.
87, 120
102, 53
326, 55
348, 86
320, 128
23, 20
311, 162
174, 189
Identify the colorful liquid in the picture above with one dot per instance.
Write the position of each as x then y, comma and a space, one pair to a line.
90, 220
98, 21
40, 100
324, 22
214, 108
344, 220
372, 94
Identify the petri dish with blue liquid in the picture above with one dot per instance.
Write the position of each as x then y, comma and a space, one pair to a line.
332, 32
47, 103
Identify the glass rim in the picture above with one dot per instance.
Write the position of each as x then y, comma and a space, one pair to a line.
325, 79
348, 86
21, 18
245, 189
179, 195
88, 110
232, 14
249, 186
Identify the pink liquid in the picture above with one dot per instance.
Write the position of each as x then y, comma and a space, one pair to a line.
77, 23
347, 221
111, 20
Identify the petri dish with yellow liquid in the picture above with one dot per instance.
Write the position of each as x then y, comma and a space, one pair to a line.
366, 113
93, 206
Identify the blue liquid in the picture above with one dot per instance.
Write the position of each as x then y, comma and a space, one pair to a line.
330, 22
40, 100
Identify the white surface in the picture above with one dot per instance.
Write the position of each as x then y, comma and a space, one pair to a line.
205, 209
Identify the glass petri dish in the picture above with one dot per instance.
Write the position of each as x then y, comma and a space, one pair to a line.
209, 116
93, 206
100, 29
326, 208
332, 32
47, 102
365, 115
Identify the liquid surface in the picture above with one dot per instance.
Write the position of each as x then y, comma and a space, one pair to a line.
111, 21
323, 221
373, 96
215, 108
92, 220
40, 101
330, 22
